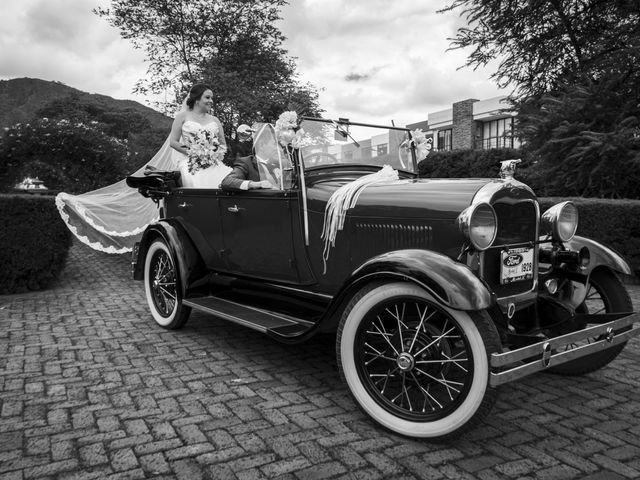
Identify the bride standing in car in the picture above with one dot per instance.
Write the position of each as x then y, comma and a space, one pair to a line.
198, 137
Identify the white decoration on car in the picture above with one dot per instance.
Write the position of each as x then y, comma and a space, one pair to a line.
345, 198
286, 127
421, 142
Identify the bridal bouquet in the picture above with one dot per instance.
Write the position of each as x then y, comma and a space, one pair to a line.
205, 150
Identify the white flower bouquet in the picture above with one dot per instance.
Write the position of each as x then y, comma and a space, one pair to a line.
205, 150
286, 127
422, 144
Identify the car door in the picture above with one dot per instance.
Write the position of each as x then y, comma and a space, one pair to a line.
198, 210
257, 234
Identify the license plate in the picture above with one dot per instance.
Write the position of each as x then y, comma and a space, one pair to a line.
516, 265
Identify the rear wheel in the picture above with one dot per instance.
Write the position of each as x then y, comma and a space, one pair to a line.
162, 288
605, 294
416, 367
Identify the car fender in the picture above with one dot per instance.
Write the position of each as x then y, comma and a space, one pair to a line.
600, 256
450, 282
189, 263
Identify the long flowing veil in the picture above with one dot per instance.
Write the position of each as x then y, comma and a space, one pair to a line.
111, 219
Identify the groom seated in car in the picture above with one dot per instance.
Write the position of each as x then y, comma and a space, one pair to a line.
246, 175
254, 171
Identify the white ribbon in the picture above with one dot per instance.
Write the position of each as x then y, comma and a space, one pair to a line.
345, 198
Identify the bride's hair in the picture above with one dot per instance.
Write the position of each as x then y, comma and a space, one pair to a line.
195, 93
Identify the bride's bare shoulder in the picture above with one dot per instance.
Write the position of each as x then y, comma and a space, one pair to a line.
181, 116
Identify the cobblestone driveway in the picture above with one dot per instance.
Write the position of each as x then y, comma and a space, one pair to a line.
91, 388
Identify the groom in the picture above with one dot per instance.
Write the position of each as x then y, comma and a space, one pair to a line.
246, 170
245, 175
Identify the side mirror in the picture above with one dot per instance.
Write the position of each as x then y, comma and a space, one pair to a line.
245, 133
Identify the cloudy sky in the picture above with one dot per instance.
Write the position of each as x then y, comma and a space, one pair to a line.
372, 60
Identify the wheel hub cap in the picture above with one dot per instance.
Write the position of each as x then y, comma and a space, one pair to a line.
405, 362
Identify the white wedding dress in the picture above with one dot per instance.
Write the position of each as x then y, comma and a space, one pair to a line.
111, 219
209, 177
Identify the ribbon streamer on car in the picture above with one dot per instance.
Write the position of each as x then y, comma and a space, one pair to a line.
345, 198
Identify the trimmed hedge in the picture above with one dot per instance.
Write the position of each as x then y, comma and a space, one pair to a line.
34, 242
479, 164
469, 163
614, 223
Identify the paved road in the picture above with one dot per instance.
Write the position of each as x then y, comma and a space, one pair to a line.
91, 388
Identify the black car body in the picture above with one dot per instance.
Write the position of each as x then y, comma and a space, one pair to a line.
439, 289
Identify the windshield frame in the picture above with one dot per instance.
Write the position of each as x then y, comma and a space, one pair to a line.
342, 125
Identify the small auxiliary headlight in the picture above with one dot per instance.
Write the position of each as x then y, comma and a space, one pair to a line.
560, 221
584, 257
478, 223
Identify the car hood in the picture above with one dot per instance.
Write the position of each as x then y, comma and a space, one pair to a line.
419, 198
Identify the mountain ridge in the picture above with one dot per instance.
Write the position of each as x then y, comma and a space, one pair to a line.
21, 98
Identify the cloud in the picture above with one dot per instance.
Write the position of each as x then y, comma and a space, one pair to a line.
371, 59
359, 77
378, 60
356, 77
64, 41
57, 23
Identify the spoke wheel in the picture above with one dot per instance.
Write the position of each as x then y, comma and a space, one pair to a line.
416, 367
605, 294
162, 287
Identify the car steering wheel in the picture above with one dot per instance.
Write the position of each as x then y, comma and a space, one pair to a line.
273, 170
320, 158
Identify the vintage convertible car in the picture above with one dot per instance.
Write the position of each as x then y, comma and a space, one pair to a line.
440, 290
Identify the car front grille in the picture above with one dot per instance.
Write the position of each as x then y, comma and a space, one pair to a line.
517, 224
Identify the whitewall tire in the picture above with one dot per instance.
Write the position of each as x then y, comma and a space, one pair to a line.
415, 366
162, 287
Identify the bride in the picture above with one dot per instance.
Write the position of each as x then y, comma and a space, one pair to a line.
197, 136
111, 219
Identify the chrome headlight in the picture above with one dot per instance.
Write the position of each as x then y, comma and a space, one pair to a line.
479, 224
560, 221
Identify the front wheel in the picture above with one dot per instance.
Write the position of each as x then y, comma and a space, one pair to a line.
415, 366
162, 288
605, 294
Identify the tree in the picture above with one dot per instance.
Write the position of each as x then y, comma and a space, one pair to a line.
74, 157
587, 137
126, 124
256, 84
542, 43
573, 66
231, 44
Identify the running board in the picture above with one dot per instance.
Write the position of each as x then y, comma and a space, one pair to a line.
277, 324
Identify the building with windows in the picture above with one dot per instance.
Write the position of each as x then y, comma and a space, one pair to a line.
471, 124
468, 124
